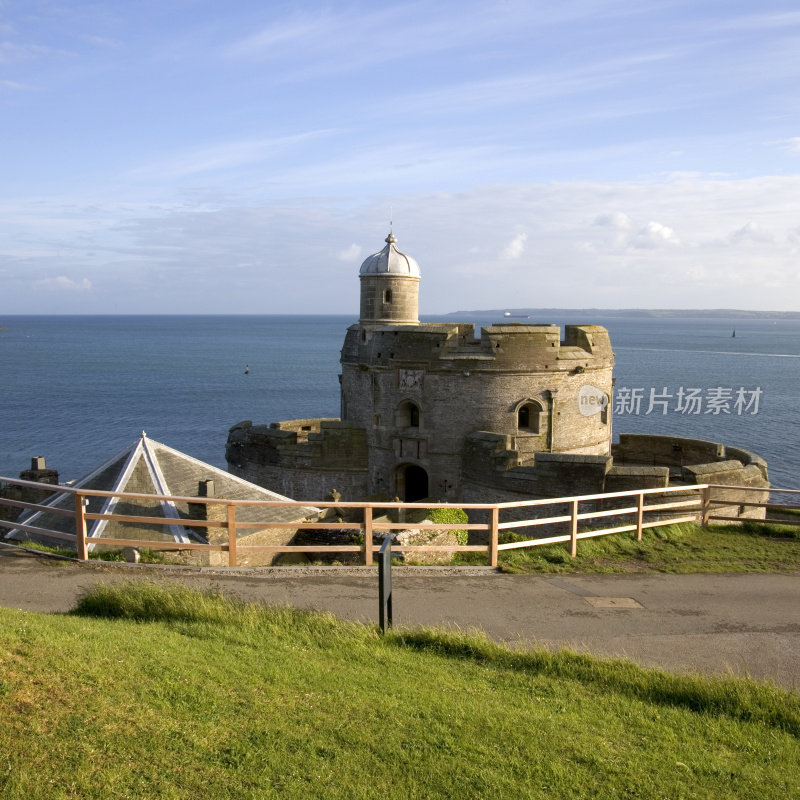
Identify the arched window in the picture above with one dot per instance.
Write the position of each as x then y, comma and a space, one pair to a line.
529, 416
407, 415
387, 295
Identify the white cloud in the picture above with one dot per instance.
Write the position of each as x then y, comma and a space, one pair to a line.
352, 253
793, 144
223, 156
749, 22
655, 234
516, 247
63, 284
18, 87
616, 219
280, 248
279, 34
751, 233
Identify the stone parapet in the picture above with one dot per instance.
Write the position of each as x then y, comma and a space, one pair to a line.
670, 451
624, 479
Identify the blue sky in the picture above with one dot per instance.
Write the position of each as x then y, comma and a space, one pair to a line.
185, 156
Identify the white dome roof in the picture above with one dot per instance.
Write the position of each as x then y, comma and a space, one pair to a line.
390, 261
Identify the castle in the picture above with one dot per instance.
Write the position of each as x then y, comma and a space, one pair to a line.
432, 410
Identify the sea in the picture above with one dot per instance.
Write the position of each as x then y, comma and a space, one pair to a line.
79, 389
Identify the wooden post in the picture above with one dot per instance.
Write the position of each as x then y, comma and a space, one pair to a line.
493, 536
368, 535
706, 508
231, 535
81, 547
639, 516
573, 530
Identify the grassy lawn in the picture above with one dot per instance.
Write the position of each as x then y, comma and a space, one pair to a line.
145, 556
685, 548
150, 692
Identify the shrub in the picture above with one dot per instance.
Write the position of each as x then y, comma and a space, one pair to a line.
452, 516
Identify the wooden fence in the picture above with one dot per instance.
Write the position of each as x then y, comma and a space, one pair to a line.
630, 513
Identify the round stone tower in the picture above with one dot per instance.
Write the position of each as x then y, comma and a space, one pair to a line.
389, 287
438, 402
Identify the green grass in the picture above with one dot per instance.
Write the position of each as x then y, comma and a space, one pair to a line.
684, 548
155, 692
786, 512
145, 556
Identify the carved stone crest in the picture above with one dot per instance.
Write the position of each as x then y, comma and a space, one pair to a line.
410, 379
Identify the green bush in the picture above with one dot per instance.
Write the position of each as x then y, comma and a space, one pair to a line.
452, 516
508, 537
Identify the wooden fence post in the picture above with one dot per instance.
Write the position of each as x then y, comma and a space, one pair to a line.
81, 547
231, 535
493, 536
368, 535
573, 530
639, 517
706, 508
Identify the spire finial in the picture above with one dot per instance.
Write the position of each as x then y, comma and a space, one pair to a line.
390, 239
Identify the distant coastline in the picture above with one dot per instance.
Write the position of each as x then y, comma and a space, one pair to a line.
638, 313
511, 313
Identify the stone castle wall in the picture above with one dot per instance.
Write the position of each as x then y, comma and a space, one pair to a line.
301, 459
491, 469
38, 473
458, 383
435, 410
397, 307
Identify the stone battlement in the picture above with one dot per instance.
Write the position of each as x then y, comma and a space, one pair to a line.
511, 347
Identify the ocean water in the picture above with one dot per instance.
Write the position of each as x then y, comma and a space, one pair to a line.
78, 389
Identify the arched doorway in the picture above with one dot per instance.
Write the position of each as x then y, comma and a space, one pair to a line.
412, 483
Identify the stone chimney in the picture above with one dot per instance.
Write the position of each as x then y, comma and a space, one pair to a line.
215, 512
38, 473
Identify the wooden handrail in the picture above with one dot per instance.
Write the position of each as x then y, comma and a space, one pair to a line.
700, 504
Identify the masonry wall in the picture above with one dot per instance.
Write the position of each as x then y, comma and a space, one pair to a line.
460, 384
401, 308
302, 459
38, 473
437, 397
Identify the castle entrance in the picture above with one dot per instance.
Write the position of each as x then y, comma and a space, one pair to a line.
412, 483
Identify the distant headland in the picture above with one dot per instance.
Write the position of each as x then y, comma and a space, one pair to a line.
653, 313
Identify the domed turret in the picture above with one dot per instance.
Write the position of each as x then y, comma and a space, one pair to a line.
389, 287
390, 261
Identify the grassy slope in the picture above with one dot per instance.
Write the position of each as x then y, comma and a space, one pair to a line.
194, 696
687, 548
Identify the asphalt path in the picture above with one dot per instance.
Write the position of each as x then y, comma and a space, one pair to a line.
743, 624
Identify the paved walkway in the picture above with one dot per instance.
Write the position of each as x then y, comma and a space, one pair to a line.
743, 624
